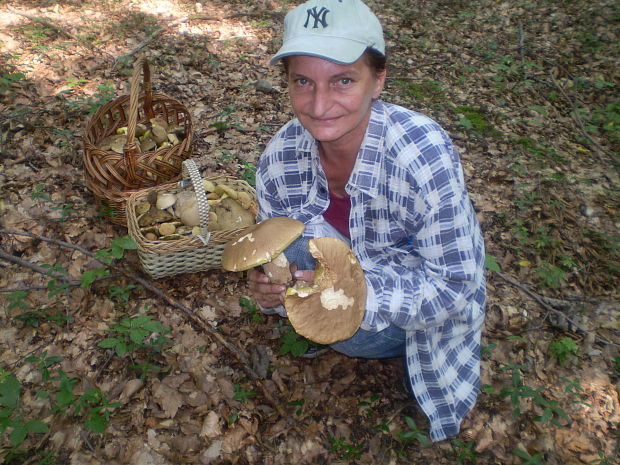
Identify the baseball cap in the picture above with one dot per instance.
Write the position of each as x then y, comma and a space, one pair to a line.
336, 30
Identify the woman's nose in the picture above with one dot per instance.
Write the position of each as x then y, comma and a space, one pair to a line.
321, 102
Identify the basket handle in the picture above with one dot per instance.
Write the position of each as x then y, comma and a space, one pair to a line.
190, 170
130, 148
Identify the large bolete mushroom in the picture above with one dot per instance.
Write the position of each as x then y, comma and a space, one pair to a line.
331, 309
263, 245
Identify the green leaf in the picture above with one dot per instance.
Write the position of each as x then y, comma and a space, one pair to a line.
108, 343
64, 398
490, 263
18, 434
96, 423
89, 277
36, 426
9, 392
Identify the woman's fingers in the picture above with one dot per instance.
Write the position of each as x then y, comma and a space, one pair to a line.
304, 275
264, 292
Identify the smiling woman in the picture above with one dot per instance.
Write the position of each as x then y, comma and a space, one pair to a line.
388, 182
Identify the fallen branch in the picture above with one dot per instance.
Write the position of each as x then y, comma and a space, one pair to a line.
581, 125
238, 352
45, 23
45, 271
548, 307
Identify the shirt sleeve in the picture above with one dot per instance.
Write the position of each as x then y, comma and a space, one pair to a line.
440, 271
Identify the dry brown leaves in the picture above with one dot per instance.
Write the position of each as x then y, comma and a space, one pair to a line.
200, 408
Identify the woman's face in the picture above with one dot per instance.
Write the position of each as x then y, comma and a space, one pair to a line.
333, 101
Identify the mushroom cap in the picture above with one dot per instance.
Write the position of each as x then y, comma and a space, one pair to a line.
262, 243
165, 200
332, 309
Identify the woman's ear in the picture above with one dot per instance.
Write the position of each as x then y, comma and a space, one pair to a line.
379, 83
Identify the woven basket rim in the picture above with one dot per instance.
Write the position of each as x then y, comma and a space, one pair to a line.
178, 245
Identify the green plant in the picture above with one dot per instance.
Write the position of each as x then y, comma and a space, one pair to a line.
414, 434
121, 293
223, 123
16, 300
550, 275
535, 459
8, 77
117, 249
490, 263
463, 451
344, 448
563, 349
294, 344
486, 351
299, 403
145, 368
424, 90
474, 119
91, 103
10, 393
65, 210
37, 34
252, 309
603, 459
551, 412
39, 193
98, 409
105, 211
368, 405
244, 169
44, 362
55, 286
242, 395
574, 390
135, 333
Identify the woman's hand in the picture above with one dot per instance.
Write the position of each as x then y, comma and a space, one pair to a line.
268, 294
264, 291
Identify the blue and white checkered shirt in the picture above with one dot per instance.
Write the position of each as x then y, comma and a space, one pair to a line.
415, 234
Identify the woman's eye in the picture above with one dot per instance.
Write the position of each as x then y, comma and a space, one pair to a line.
302, 82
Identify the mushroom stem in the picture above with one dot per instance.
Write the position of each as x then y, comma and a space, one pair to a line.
278, 270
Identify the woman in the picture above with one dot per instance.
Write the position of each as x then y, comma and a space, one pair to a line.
389, 182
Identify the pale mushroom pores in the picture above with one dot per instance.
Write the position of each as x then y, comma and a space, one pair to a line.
332, 308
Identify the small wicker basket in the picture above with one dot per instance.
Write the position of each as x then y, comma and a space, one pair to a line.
113, 177
161, 258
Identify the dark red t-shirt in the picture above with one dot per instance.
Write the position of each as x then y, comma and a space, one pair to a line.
337, 214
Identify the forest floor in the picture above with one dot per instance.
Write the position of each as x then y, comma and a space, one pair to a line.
529, 93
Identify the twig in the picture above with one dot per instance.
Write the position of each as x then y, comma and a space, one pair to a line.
548, 307
238, 352
45, 22
577, 119
39, 269
272, 14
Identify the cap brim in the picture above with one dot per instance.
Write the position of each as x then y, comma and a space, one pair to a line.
338, 50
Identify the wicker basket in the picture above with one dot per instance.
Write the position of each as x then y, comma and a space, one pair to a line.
161, 258
113, 177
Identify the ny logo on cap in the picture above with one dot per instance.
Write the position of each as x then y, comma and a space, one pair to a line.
318, 16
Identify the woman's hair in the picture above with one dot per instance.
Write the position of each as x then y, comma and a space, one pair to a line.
376, 60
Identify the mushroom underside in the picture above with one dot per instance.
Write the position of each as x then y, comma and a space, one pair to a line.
332, 310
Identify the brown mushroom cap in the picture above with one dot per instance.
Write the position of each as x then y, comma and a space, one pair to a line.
261, 244
333, 307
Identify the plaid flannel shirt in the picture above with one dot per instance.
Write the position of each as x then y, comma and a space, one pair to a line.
415, 233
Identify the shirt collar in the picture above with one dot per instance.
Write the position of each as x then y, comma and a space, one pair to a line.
365, 176
366, 172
